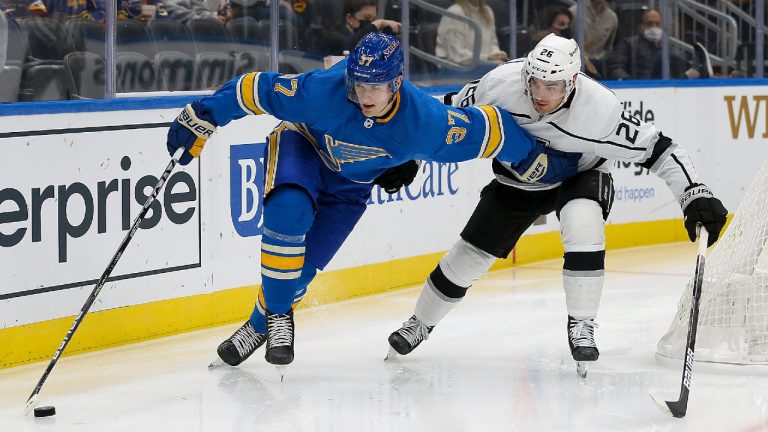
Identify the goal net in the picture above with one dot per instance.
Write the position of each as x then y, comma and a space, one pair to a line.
733, 312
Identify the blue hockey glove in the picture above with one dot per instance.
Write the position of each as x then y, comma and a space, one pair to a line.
396, 177
700, 206
546, 165
191, 129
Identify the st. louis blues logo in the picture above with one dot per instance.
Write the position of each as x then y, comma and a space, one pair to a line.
339, 152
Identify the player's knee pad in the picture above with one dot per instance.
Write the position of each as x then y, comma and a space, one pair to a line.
460, 268
592, 185
582, 227
289, 210
582, 231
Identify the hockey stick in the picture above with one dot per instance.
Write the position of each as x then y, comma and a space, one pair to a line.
34, 397
679, 407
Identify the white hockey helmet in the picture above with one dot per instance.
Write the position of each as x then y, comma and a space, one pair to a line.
554, 58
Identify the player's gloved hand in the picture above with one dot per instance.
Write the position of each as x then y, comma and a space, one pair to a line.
700, 206
191, 129
546, 165
394, 178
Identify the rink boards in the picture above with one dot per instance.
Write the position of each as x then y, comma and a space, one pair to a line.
74, 175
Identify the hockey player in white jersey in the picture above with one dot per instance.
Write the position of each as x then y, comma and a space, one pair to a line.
567, 111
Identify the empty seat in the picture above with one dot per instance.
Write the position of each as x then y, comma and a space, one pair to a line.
133, 36
175, 70
245, 32
209, 36
249, 61
172, 36
87, 35
43, 82
18, 45
213, 69
10, 80
287, 33
85, 71
135, 73
47, 39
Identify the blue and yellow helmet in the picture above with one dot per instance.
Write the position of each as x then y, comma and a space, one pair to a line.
377, 59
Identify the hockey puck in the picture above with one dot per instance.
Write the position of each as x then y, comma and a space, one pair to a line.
45, 411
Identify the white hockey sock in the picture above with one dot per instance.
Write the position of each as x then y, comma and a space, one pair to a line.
582, 295
433, 306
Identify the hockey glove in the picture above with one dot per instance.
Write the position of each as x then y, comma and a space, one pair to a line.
546, 165
396, 177
699, 206
191, 129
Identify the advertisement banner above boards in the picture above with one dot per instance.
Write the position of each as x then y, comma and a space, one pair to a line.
69, 195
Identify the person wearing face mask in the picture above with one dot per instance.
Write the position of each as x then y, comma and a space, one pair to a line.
358, 19
639, 56
553, 19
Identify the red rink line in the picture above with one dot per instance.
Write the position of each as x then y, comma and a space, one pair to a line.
761, 426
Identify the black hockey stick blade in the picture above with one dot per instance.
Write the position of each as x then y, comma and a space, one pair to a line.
679, 407
34, 398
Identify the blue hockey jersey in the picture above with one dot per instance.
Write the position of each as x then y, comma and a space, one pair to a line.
360, 148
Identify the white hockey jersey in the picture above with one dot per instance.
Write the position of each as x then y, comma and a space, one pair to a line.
591, 122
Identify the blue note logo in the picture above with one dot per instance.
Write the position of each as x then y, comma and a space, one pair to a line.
246, 187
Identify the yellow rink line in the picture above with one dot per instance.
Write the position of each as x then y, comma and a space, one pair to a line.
37, 341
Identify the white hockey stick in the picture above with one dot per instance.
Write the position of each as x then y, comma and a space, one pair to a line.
34, 397
679, 407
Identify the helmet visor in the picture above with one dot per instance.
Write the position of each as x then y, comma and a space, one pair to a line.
357, 91
547, 91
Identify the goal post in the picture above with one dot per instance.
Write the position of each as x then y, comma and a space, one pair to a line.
733, 312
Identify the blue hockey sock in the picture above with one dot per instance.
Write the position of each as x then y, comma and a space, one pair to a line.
288, 216
258, 316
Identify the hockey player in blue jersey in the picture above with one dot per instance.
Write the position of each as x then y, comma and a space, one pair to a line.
325, 156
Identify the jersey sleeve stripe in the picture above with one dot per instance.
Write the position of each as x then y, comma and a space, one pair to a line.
247, 93
495, 133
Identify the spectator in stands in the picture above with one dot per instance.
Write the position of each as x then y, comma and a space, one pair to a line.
62, 10
600, 25
358, 19
184, 11
455, 39
260, 9
553, 19
639, 56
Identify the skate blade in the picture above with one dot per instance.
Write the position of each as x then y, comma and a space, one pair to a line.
391, 354
281, 371
216, 363
581, 368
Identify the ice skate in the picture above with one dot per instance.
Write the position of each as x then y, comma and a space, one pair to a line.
408, 337
280, 331
581, 339
239, 346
